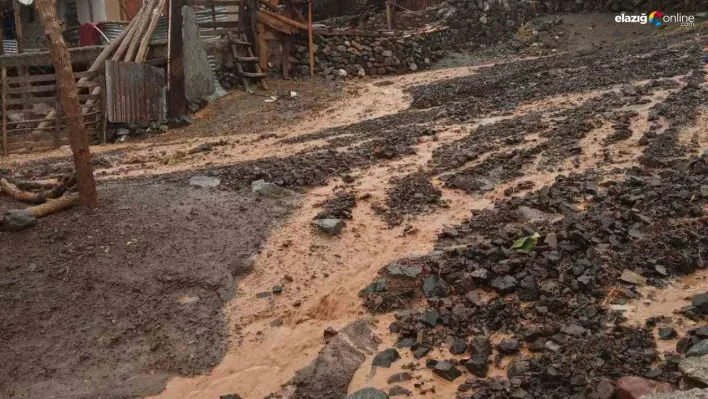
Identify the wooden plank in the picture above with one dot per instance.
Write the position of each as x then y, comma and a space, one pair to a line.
275, 23
219, 24
31, 100
18, 27
57, 124
217, 32
47, 78
4, 110
286, 20
246, 59
216, 2
262, 48
31, 89
177, 100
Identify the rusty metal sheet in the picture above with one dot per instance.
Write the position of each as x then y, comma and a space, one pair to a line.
135, 92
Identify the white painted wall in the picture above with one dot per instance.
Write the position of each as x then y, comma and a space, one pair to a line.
99, 10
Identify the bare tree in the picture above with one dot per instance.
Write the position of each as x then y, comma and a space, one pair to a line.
78, 138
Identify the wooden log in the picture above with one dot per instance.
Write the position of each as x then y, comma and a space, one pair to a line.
127, 34
54, 206
39, 197
140, 27
145, 44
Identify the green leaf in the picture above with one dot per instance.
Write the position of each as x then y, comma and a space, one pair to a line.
526, 244
518, 244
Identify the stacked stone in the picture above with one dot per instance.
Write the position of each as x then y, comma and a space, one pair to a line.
358, 56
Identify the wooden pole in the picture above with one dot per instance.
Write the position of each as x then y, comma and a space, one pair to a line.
78, 138
388, 14
177, 100
311, 39
18, 27
140, 31
4, 111
145, 43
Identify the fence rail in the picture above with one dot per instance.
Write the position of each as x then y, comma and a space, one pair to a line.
32, 117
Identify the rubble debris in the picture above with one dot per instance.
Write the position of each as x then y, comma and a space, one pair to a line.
330, 226
386, 358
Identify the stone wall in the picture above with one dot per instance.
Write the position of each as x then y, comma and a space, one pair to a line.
351, 56
344, 57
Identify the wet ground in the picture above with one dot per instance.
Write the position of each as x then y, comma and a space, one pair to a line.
599, 149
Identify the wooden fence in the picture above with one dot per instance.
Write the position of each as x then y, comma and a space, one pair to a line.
32, 117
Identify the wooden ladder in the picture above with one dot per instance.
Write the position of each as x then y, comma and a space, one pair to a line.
247, 64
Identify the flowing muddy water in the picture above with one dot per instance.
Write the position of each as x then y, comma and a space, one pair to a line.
274, 337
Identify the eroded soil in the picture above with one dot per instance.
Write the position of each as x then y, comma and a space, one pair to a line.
601, 148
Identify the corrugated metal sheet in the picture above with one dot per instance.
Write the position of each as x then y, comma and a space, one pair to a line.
135, 92
9, 46
113, 29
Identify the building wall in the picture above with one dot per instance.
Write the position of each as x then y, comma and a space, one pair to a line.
97, 13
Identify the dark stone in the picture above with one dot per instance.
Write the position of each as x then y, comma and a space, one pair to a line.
604, 390
400, 377
435, 287
277, 289
458, 347
330, 333
574, 330
398, 390
230, 396
509, 346
421, 352
667, 333
517, 369
430, 318
477, 365
504, 285
18, 220
447, 370
700, 303
699, 349
407, 272
528, 290
405, 342
386, 358
263, 295
377, 286
368, 393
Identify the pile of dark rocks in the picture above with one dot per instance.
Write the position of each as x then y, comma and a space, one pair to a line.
550, 281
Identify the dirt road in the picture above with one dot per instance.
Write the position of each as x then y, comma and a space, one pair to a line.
167, 290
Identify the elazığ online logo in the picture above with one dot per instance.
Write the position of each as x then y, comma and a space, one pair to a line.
656, 18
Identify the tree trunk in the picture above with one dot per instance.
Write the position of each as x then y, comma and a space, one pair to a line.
78, 138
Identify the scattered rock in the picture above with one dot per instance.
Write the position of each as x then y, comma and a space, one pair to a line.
329, 333
691, 394
433, 286
699, 349
696, 368
459, 346
446, 370
509, 346
667, 333
368, 393
18, 220
604, 390
399, 377
408, 272
386, 358
230, 396
270, 190
398, 390
278, 289
330, 226
636, 387
204, 181
633, 278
